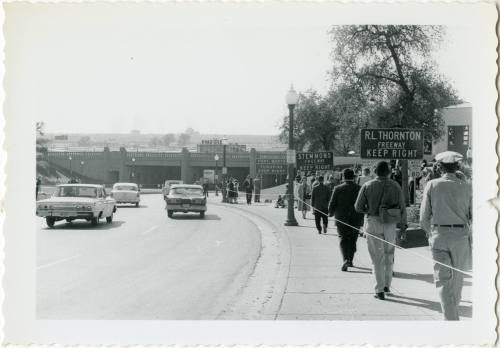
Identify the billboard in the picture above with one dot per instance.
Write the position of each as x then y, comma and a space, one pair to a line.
395, 143
314, 161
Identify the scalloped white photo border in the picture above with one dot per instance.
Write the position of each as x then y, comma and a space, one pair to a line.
17, 173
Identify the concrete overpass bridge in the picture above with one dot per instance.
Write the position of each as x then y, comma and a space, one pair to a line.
151, 169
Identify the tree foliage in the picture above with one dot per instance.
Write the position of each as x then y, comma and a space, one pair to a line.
327, 123
84, 141
183, 139
391, 67
168, 139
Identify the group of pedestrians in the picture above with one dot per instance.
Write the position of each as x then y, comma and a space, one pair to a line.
231, 187
376, 207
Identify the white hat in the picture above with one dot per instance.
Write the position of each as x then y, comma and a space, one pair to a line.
449, 157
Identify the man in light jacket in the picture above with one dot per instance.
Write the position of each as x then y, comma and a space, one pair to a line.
373, 194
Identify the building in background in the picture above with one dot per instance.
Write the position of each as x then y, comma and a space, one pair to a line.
458, 130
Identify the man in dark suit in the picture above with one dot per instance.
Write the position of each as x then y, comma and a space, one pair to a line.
319, 201
342, 207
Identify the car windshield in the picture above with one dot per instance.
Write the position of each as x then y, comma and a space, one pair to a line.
77, 191
125, 188
186, 191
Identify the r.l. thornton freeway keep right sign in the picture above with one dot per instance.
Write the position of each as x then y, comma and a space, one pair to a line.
392, 143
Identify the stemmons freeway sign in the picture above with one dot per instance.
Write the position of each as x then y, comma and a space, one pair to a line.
392, 143
314, 161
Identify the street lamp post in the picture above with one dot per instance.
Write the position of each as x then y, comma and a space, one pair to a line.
291, 99
216, 158
70, 168
224, 168
133, 168
82, 163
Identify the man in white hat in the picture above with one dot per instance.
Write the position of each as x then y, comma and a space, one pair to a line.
445, 214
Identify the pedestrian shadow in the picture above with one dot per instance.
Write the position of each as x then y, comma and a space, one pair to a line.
429, 278
361, 270
464, 311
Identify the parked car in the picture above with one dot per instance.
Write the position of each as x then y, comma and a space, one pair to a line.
77, 201
126, 192
186, 198
166, 186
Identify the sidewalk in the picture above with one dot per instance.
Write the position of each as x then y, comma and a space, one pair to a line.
317, 288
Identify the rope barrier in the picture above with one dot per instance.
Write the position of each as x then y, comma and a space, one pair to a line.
376, 237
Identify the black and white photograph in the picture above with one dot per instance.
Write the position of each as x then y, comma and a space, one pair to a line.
249, 173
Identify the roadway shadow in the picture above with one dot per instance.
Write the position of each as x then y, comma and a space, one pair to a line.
432, 305
85, 225
120, 206
182, 216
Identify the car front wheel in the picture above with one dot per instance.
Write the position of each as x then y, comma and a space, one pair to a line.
202, 214
109, 219
50, 221
94, 221
136, 204
170, 213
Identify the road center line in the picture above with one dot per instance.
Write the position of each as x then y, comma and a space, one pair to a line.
149, 230
58, 261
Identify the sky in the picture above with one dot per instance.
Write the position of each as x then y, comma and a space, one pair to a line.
161, 68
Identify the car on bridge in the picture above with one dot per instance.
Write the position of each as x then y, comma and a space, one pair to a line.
77, 202
126, 192
186, 198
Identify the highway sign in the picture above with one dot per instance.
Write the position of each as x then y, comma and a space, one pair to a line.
315, 161
276, 164
395, 143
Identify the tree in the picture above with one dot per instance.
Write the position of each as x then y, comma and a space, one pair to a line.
155, 141
351, 114
168, 139
392, 67
183, 139
314, 123
84, 141
327, 123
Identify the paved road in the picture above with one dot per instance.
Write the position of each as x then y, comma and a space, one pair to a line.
147, 266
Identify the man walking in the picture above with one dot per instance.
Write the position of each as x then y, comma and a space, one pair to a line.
378, 193
38, 184
248, 186
320, 198
342, 207
445, 215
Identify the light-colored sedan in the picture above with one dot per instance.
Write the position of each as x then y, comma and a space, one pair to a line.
125, 192
186, 198
77, 201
